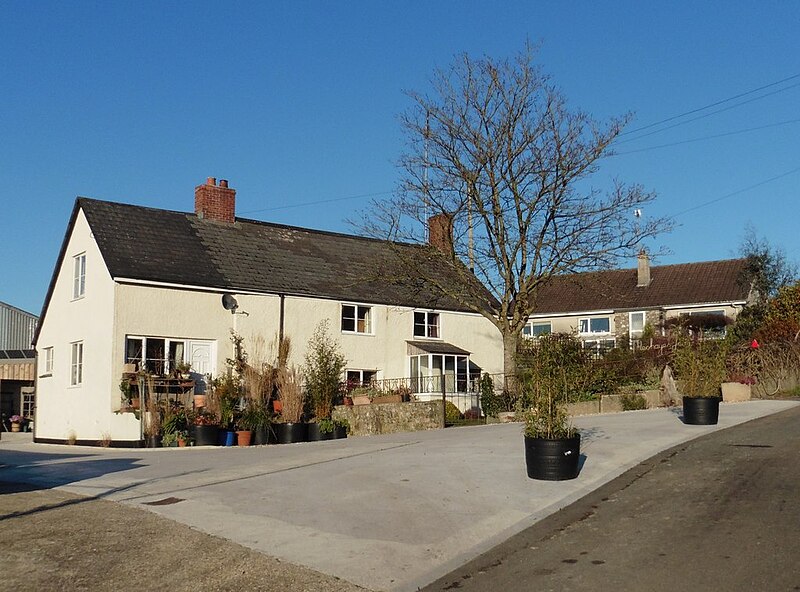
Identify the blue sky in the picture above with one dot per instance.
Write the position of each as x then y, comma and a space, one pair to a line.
296, 104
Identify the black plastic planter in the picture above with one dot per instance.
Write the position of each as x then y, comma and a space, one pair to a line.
261, 435
339, 432
206, 435
152, 441
552, 460
289, 433
315, 434
701, 410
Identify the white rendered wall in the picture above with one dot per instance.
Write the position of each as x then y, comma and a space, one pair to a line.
82, 411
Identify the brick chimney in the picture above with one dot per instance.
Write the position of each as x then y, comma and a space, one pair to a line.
440, 233
643, 271
215, 202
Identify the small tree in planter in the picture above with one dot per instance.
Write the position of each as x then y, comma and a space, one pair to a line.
552, 444
700, 369
290, 429
323, 368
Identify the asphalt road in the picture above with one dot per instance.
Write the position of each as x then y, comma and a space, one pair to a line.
717, 513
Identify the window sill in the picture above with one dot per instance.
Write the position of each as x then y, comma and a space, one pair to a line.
46, 375
358, 333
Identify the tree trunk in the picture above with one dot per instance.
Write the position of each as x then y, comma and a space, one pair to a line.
510, 343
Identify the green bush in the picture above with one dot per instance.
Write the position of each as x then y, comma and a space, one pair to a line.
490, 402
633, 402
451, 413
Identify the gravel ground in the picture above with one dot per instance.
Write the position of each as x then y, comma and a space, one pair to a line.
52, 540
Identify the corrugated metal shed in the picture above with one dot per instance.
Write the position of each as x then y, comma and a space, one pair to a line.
16, 327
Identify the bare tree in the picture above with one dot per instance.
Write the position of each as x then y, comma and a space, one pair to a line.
507, 165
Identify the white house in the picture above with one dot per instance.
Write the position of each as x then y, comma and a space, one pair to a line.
144, 286
607, 308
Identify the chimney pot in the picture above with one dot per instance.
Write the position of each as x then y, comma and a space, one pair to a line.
223, 182
211, 181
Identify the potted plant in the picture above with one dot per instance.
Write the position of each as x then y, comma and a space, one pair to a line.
290, 429
184, 369
205, 427
323, 369
700, 369
151, 428
552, 444
183, 438
128, 400
16, 422
340, 428
250, 418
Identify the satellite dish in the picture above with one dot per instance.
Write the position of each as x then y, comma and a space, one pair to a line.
229, 302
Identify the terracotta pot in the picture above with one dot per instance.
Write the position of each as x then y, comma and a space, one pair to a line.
135, 402
277, 406
14, 427
361, 400
181, 443
199, 401
243, 437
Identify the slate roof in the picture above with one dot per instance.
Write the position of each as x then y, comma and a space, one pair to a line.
179, 248
670, 285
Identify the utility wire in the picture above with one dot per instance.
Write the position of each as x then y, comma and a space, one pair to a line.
737, 192
740, 95
741, 131
708, 114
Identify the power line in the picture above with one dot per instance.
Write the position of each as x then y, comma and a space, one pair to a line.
740, 95
733, 133
708, 114
737, 192
321, 201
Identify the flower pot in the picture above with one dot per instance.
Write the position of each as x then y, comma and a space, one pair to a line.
552, 459
277, 406
315, 434
227, 437
387, 399
152, 441
243, 437
261, 435
361, 400
339, 432
199, 401
182, 443
701, 410
14, 427
289, 433
206, 435
135, 403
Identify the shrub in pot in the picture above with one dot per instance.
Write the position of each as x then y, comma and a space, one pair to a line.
700, 369
552, 444
205, 428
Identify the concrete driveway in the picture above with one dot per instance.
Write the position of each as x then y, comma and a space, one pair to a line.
386, 512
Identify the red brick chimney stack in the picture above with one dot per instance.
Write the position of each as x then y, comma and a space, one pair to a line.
215, 202
440, 233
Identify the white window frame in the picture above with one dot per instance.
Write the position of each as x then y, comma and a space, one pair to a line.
589, 325
76, 363
630, 324
528, 329
79, 276
168, 341
361, 372
428, 324
48, 361
596, 343
369, 320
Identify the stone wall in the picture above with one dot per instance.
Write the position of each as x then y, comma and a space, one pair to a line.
390, 418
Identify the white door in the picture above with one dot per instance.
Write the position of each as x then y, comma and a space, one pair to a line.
202, 363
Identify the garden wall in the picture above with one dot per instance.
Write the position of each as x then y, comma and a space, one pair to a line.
390, 418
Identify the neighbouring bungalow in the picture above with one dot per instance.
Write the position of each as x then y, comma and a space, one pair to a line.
609, 308
139, 288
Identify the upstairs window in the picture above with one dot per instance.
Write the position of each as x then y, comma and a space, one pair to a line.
537, 328
356, 319
48, 361
78, 276
76, 364
594, 325
426, 324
